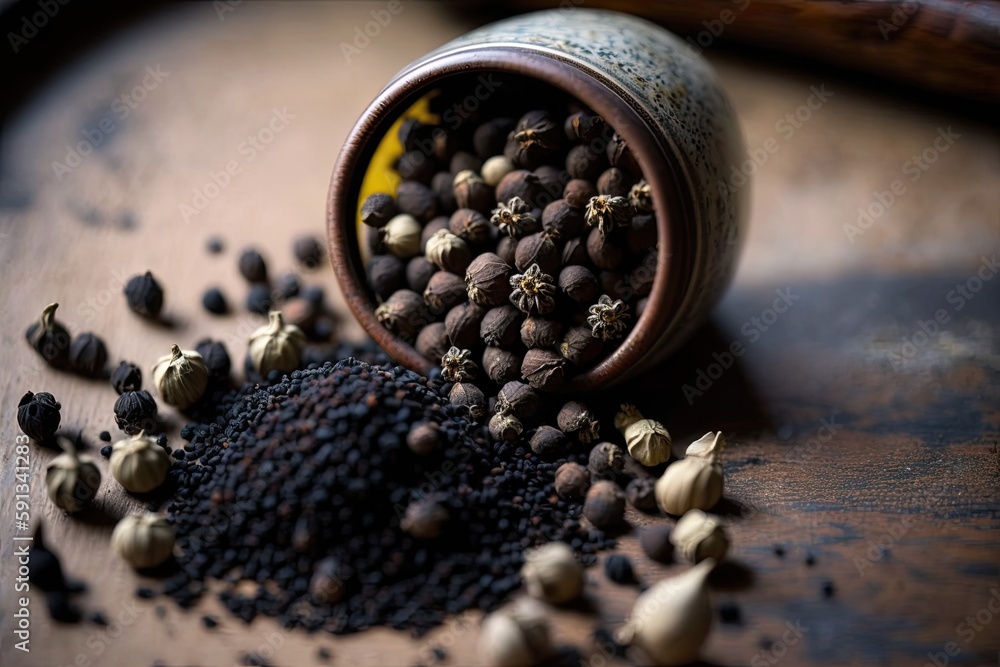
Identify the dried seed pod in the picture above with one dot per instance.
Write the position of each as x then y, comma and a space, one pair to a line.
418, 274
518, 399
38, 416
604, 505
143, 540
495, 168
401, 236
505, 427
49, 338
308, 251
578, 193
432, 341
583, 126
551, 182
216, 359
470, 225
424, 519
561, 220
457, 365
575, 419
533, 291
470, 397
443, 185
534, 139
378, 209
640, 493
501, 326
507, 249
642, 234
502, 365
694, 482
614, 183
606, 459
604, 252
548, 441
620, 155
414, 166
444, 291
276, 346
88, 355
135, 411
641, 197
430, 229
139, 464
72, 480
539, 249
539, 332
578, 283
514, 218
672, 619
543, 369
579, 346
647, 440
180, 377
698, 536
471, 191
584, 163
605, 213
416, 199
386, 274
259, 299
608, 318
516, 636
462, 324
448, 252
404, 313
490, 138
572, 480
519, 183
423, 438
575, 252
464, 161
552, 573
488, 280
144, 295
614, 284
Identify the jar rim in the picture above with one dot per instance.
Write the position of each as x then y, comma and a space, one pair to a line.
657, 162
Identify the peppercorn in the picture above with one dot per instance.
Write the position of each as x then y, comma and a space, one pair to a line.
444, 290
463, 161
252, 266
104, 436
216, 359
470, 397
540, 332
505, 427
144, 295
448, 252
518, 399
548, 441
418, 274
533, 291
543, 369
640, 494
584, 163
126, 377
578, 193
462, 324
415, 167
501, 326
604, 505
490, 137
579, 346
430, 229
88, 355
423, 438
575, 419
38, 416
315, 295
535, 137
413, 134
286, 286
606, 459
259, 299
214, 301
471, 191
424, 519
106, 451
604, 252
574, 253
537, 249
488, 280
583, 126
214, 245
551, 182
432, 341
443, 185
403, 313
378, 209
135, 411
561, 220
308, 251
49, 338
578, 283
401, 236
495, 168
572, 480
416, 199
618, 568
507, 249
470, 225
386, 274
620, 155
502, 365
519, 183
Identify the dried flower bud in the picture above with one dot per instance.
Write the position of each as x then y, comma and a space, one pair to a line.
572, 480
490, 137
552, 573
516, 636
575, 419
698, 536
519, 183
443, 185
561, 220
543, 369
49, 338
604, 252
578, 283
457, 365
470, 225
416, 199
180, 377
501, 326
38, 416
462, 324
144, 295
378, 209
88, 355
514, 218
507, 249
471, 191
648, 441
604, 505
578, 193
605, 213
404, 313
401, 236
276, 346
534, 139
505, 427
537, 249
424, 519
640, 493
423, 438
444, 291
495, 168
470, 397
386, 274
72, 480
539, 332
642, 234
139, 464
620, 155
502, 365
548, 441
614, 183
216, 359
518, 399
575, 252
694, 482
143, 540
432, 341
606, 458
448, 252
579, 346
608, 319
488, 280
583, 126
641, 197
135, 411
533, 291
252, 266
584, 163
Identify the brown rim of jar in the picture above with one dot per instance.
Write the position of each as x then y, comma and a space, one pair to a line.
606, 98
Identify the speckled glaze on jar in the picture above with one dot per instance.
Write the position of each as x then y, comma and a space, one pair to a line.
660, 96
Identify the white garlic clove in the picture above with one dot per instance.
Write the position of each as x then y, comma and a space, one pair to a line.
143, 540
648, 442
707, 447
180, 377
516, 636
552, 573
698, 536
276, 345
691, 483
139, 464
72, 480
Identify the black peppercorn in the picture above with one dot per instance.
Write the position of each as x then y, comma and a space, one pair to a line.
519, 183
308, 251
604, 252
417, 200
216, 359
126, 377
403, 313
415, 166
518, 399
424, 519
135, 411
501, 326
641, 234
88, 355
606, 459
287, 286
432, 341
430, 229
562, 220
575, 419
543, 369
104, 436
444, 291
578, 283
214, 301
462, 324
214, 245
618, 568
534, 139
584, 163
386, 274
49, 338
443, 185
583, 126
578, 193
252, 266
505, 427
614, 183
259, 299
423, 438
470, 225
38, 416
106, 451
656, 544
507, 249
548, 441
641, 495
378, 209
472, 192
469, 397
537, 249
490, 137
488, 280
572, 480
502, 365
575, 252
604, 505
620, 155
540, 332
463, 161
579, 346
144, 295
418, 273
551, 182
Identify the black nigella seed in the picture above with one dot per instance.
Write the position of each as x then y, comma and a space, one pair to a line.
106, 451
60, 608
779, 551
810, 560
135, 411
88, 355
214, 301
38, 416
161, 440
144, 295
829, 589
730, 614
216, 359
214, 245
145, 593
252, 266
126, 377
618, 569
308, 251
105, 436
259, 299
97, 618
209, 621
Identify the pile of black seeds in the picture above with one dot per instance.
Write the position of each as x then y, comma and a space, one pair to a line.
313, 473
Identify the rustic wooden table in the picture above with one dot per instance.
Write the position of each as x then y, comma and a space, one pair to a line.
863, 420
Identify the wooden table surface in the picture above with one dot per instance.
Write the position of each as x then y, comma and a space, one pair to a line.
855, 437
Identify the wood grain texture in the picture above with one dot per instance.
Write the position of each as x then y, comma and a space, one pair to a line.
912, 461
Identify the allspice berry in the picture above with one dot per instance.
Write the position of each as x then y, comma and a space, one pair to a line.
88, 355
640, 494
432, 228
505, 427
423, 438
518, 399
507, 249
544, 369
135, 411
143, 540
603, 250
578, 193
38, 416
126, 377
655, 543
580, 347
308, 251
432, 341
462, 324
424, 519
490, 137
561, 220
416, 199
448, 252
501, 326
572, 480
418, 274
252, 266
604, 505
386, 274
614, 183
443, 185
537, 249
72, 479
444, 291
470, 397
540, 332
488, 280
471, 191
144, 295
276, 346
606, 459
575, 418
518, 183
180, 377
51, 340
404, 313
401, 236
502, 365
548, 441
470, 225
378, 209
578, 283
